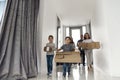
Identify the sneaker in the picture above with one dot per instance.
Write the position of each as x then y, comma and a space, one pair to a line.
64, 75
48, 74
83, 64
68, 73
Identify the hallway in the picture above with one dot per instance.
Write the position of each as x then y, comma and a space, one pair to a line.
77, 73
26, 24
104, 18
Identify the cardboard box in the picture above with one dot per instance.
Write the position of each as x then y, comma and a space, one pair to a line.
67, 57
47, 49
92, 45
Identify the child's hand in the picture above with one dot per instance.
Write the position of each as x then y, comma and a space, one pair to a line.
58, 50
80, 44
45, 48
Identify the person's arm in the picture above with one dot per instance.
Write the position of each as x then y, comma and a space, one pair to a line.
60, 48
45, 48
78, 44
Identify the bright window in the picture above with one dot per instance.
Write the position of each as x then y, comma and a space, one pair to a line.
84, 29
2, 7
67, 31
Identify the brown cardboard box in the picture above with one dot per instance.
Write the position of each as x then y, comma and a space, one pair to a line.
67, 57
92, 45
47, 49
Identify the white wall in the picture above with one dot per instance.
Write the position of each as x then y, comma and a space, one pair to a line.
113, 17
105, 28
48, 24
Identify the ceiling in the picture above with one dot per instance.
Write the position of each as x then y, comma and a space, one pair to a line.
74, 12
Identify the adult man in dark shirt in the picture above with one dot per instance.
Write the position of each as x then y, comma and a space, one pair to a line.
82, 53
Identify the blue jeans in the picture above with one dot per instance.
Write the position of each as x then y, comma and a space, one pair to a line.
49, 63
66, 68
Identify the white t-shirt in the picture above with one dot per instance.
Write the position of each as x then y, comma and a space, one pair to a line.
52, 45
87, 41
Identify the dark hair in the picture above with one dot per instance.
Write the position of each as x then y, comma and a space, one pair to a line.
50, 36
88, 36
81, 35
67, 37
72, 40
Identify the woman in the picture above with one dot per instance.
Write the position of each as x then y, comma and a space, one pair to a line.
88, 52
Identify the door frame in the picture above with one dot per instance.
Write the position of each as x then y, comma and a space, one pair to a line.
79, 27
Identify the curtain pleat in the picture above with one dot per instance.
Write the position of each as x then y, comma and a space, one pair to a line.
18, 51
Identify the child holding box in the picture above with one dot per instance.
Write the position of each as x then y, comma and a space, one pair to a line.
66, 48
49, 49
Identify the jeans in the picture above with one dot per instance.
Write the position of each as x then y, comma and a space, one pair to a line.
82, 54
49, 63
66, 68
69, 68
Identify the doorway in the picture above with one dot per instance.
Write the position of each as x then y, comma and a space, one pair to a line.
75, 32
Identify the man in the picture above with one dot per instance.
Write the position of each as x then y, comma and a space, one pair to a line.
82, 53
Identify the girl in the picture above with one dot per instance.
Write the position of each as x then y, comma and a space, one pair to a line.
66, 48
88, 52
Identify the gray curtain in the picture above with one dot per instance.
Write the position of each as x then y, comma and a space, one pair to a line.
18, 51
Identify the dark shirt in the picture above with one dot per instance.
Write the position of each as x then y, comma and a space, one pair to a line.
67, 47
80, 41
